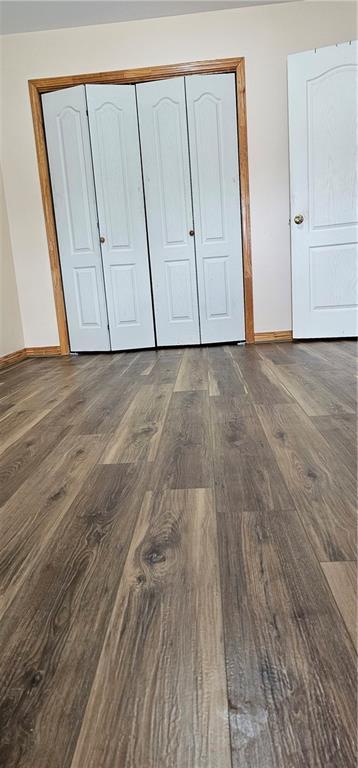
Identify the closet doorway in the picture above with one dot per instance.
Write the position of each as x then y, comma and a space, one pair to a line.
150, 226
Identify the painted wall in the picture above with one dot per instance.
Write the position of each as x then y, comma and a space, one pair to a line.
11, 335
264, 35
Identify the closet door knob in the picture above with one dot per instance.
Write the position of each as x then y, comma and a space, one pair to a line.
102, 239
191, 232
298, 219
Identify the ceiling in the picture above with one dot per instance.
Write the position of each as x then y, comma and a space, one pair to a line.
35, 15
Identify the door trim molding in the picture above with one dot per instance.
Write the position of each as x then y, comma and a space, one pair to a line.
44, 85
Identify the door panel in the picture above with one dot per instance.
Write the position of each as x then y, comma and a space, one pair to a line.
164, 143
211, 102
87, 297
69, 154
324, 189
116, 160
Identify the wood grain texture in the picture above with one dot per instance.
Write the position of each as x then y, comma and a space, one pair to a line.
261, 384
269, 336
138, 75
22, 354
341, 434
342, 579
245, 200
43, 351
288, 661
323, 490
246, 472
310, 389
184, 457
12, 358
44, 85
25, 529
168, 608
138, 434
193, 373
54, 630
178, 716
224, 376
26, 454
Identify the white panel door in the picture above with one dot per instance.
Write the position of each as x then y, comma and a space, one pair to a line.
211, 101
113, 123
322, 88
69, 154
164, 142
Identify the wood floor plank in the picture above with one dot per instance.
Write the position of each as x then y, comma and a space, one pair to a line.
213, 387
110, 396
246, 470
23, 457
311, 394
342, 387
227, 377
287, 354
171, 639
51, 636
262, 385
81, 398
178, 717
290, 663
37, 373
5, 407
166, 368
350, 348
341, 351
151, 359
33, 407
16, 383
341, 434
68, 390
16, 424
323, 491
26, 527
138, 433
184, 457
193, 372
342, 579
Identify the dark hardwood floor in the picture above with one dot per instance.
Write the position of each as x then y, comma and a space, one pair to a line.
177, 559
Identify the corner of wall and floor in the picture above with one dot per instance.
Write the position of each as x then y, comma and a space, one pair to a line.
11, 330
12, 344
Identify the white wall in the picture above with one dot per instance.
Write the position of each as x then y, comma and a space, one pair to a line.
264, 35
11, 335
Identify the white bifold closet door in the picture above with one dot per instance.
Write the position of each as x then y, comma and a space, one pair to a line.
211, 104
166, 172
187, 136
69, 153
104, 253
112, 113
188, 133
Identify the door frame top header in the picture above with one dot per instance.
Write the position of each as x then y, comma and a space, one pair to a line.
132, 76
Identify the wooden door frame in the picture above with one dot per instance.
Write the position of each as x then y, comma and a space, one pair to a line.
46, 84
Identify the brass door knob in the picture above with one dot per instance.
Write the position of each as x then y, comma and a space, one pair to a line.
191, 232
102, 239
298, 219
